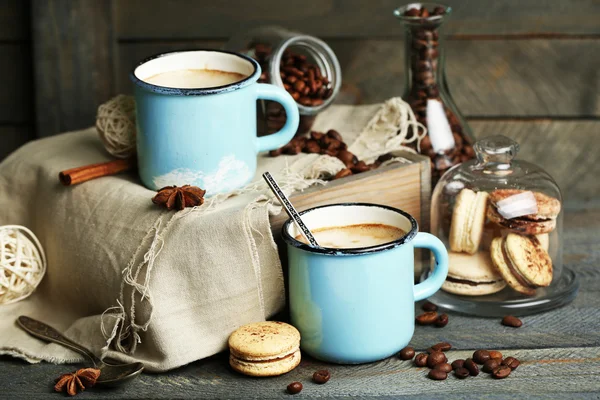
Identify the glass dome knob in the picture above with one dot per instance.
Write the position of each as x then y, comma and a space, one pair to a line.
496, 149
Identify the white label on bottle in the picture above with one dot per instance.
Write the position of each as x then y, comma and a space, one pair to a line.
438, 127
517, 205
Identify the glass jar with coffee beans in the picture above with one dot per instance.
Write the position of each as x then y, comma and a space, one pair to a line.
449, 140
303, 65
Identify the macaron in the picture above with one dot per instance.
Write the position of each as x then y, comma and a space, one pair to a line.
468, 218
543, 221
522, 261
472, 275
267, 348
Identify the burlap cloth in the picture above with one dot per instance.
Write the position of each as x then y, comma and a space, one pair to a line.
135, 282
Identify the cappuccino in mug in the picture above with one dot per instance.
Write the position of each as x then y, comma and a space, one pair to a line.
355, 236
195, 78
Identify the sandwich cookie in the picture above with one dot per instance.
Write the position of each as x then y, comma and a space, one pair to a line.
522, 261
472, 275
468, 218
542, 221
267, 348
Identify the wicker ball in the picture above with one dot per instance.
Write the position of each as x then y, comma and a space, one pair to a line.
22, 263
115, 123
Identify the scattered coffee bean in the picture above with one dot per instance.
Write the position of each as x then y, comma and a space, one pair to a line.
435, 358
511, 321
495, 355
437, 375
501, 372
430, 350
427, 318
511, 362
490, 365
481, 356
458, 364
461, 373
441, 321
294, 388
321, 376
407, 353
472, 367
421, 359
360, 166
444, 367
429, 306
442, 346
343, 173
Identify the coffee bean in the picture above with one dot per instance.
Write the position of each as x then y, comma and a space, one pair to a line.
428, 306
442, 321
439, 10
316, 135
299, 85
343, 173
444, 367
305, 101
294, 388
316, 102
321, 376
412, 12
427, 318
311, 146
501, 372
461, 373
347, 157
511, 321
291, 79
511, 362
332, 133
458, 364
437, 375
359, 167
481, 356
442, 346
407, 353
296, 96
421, 359
490, 365
275, 153
424, 12
472, 367
435, 358
495, 355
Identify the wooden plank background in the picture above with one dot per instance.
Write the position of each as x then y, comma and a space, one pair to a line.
524, 68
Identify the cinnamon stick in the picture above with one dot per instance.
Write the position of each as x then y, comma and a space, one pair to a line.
77, 175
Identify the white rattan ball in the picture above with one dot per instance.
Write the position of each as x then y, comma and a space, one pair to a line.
115, 123
22, 263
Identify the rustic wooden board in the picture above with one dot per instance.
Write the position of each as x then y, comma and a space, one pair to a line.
73, 65
14, 20
494, 78
567, 150
13, 137
144, 19
404, 186
16, 103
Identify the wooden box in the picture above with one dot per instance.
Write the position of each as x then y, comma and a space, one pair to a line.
402, 185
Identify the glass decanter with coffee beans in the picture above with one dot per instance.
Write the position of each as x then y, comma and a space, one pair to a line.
449, 140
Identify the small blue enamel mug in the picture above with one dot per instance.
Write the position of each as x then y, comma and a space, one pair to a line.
356, 305
204, 137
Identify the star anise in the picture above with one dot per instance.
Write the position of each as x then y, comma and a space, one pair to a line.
173, 197
77, 381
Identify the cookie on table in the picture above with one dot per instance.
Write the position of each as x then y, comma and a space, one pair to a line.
267, 348
472, 275
522, 261
544, 221
468, 218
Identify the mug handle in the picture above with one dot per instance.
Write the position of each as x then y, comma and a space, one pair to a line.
434, 282
265, 91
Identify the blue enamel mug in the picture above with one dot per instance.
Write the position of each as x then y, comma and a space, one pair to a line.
356, 305
204, 137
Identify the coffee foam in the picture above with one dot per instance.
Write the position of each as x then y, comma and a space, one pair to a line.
355, 236
194, 78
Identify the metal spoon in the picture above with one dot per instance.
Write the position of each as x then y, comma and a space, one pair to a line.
289, 208
110, 374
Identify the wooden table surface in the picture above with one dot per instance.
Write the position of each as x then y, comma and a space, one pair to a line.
559, 352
